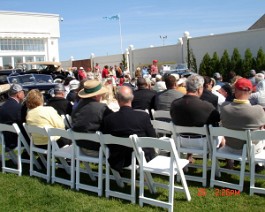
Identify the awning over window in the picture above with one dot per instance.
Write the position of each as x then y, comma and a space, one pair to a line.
24, 35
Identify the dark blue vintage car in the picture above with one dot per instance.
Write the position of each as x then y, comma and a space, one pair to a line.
42, 82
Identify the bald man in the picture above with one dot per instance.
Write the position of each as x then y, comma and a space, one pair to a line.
124, 123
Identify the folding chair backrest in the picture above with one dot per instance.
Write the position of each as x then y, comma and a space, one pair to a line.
162, 126
106, 139
148, 142
58, 132
30, 129
203, 131
238, 134
67, 120
160, 114
89, 136
254, 135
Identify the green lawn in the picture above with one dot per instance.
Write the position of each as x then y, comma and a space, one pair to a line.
33, 194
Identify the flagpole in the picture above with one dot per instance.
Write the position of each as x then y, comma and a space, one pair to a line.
120, 33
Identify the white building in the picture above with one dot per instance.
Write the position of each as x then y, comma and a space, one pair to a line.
28, 37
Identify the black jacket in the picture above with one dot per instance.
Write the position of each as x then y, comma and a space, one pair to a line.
10, 113
88, 117
124, 123
62, 105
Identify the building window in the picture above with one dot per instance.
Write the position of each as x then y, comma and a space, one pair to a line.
7, 62
36, 45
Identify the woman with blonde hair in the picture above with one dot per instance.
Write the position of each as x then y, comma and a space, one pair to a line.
43, 116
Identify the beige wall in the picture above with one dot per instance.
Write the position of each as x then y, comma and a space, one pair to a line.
252, 39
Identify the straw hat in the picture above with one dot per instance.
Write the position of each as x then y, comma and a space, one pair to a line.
92, 88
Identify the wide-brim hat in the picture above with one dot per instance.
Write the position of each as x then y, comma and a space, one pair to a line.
92, 88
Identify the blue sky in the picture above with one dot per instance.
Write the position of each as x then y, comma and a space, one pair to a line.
84, 31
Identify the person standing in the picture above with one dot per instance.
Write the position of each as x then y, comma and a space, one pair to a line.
154, 68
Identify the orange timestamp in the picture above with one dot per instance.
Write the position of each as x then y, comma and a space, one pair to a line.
224, 192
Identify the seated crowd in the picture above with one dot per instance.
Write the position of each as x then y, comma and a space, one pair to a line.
90, 100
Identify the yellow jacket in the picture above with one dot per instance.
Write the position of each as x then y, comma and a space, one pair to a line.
44, 116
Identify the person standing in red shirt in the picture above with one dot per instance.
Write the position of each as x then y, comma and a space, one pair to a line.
154, 69
81, 74
105, 72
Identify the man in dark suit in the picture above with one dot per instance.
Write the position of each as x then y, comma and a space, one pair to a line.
58, 102
10, 113
143, 96
124, 123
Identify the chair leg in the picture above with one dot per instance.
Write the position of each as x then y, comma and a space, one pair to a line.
77, 180
252, 177
213, 174
204, 170
171, 192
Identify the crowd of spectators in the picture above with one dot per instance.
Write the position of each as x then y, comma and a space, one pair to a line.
111, 100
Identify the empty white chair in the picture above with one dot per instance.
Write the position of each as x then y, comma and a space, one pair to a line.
97, 158
66, 152
161, 165
254, 159
161, 115
21, 145
183, 132
39, 151
107, 139
226, 154
162, 128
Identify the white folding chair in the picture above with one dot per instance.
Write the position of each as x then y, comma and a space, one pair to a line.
199, 151
256, 135
21, 144
224, 153
39, 151
107, 139
97, 158
162, 128
67, 119
162, 115
66, 152
161, 165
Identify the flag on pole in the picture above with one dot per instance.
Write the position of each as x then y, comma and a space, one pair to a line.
114, 17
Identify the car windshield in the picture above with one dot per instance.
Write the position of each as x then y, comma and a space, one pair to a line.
30, 79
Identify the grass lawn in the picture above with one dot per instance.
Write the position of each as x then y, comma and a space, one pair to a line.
27, 193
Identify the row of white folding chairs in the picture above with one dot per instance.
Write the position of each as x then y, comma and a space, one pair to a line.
169, 166
210, 147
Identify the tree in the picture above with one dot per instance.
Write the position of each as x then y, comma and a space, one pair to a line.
236, 62
260, 60
206, 66
247, 63
215, 63
192, 61
224, 67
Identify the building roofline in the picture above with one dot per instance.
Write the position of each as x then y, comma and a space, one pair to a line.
27, 13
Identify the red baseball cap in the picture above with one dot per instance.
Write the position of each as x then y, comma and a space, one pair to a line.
155, 61
243, 84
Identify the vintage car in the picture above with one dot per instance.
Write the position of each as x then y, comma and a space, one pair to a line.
45, 67
41, 82
42, 67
